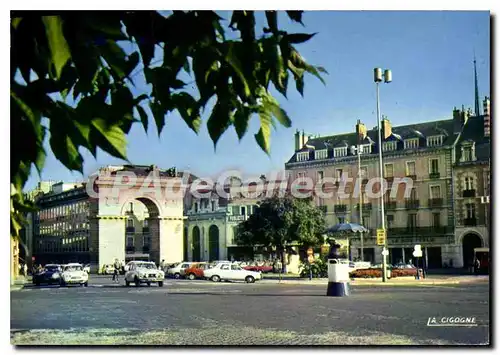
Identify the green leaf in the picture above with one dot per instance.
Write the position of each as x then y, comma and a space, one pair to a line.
59, 48
65, 151
263, 137
232, 58
241, 120
15, 21
115, 57
299, 84
144, 117
299, 37
188, 109
295, 16
219, 121
110, 138
272, 20
159, 113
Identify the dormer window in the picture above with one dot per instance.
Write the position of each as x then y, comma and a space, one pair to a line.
434, 141
303, 156
321, 154
340, 152
366, 149
468, 150
411, 143
388, 146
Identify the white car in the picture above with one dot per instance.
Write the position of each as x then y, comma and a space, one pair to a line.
73, 274
231, 272
143, 272
179, 270
86, 268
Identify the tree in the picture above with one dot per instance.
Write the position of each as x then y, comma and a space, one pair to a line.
279, 222
72, 70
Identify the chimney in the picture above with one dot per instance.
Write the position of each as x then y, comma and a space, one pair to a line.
487, 118
304, 139
297, 140
386, 128
360, 130
460, 118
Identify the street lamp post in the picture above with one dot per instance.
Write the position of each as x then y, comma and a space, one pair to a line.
387, 77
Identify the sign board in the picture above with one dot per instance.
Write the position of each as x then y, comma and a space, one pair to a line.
310, 258
417, 253
310, 251
418, 247
385, 252
380, 236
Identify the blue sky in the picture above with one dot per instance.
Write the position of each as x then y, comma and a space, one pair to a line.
430, 55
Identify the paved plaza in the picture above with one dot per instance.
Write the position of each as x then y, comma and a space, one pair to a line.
205, 313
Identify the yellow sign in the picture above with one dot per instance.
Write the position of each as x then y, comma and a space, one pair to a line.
380, 237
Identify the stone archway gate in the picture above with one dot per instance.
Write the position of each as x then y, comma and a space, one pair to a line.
112, 188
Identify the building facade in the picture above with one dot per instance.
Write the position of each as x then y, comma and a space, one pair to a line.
417, 212
471, 181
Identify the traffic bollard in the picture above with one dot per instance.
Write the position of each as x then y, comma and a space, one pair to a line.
338, 279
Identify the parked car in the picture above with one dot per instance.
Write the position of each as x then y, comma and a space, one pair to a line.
73, 274
108, 269
86, 268
404, 266
178, 270
231, 272
196, 270
264, 269
50, 274
143, 272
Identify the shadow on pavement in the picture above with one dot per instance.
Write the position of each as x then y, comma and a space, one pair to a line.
247, 294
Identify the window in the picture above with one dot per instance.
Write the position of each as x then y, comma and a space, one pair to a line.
196, 207
390, 221
434, 166
467, 154
236, 210
469, 183
130, 241
213, 205
340, 152
321, 154
302, 156
243, 210
224, 267
146, 240
235, 267
436, 219
470, 209
411, 143
364, 172
434, 141
341, 220
389, 170
366, 149
410, 168
131, 207
301, 176
130, 222
412, 221
320, 175
338, 174
436, 191
145, 223
413, 194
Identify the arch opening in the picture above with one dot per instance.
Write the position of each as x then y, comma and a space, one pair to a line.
469, 242
196, 244
213, 243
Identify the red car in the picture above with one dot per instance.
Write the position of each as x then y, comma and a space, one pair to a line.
264, 269
195, 271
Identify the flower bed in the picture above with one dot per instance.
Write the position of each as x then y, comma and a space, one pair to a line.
377, 273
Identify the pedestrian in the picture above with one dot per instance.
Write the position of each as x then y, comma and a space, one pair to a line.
116, 269
477, 265
162, 265
25, 270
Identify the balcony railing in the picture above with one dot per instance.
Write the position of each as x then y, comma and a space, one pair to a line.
130, 229
145, 230
340, 208
469, 193
434, 175
390, 205
470, 222
365, 206
145, 249
412, 204
435, 202
440, 230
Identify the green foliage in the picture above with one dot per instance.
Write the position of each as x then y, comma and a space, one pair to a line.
278, 222
81, 54
319, 269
